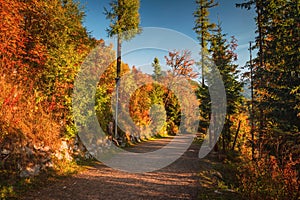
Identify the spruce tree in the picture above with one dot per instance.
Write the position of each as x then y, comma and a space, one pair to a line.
224, 56
277, 75
203, 27
125, 19
157, 68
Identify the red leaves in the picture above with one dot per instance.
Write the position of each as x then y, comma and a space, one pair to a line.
181, 64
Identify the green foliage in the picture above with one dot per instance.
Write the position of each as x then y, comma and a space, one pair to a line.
104, 90
276, 70
124, 18
281, 64
203, 28
157, 69
202, 24
7, 192
275, 172
224, 56
205, 108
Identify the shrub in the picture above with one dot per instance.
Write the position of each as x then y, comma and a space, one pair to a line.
266, 179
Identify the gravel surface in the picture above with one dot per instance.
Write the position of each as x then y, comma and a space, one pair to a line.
180, 180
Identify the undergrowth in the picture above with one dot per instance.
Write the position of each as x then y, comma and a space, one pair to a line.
14, 187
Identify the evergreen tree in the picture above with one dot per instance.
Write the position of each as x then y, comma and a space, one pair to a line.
203, 27
157, 69
276, 74
224, 56
125, 19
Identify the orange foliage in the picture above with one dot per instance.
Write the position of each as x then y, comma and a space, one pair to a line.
181, 64
265, 178
12, 35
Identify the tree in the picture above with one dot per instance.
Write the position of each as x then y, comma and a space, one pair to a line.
223, 56
43, 48
181, 65
67, 43
276, 83
105, 89
42, 45
258, 4
203, 27
279, 96
125, 19
157, 91
157, 69
276, 71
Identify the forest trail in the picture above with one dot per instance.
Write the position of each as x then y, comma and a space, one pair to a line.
187, 178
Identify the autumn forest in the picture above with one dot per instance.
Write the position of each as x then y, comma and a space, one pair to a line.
44, 46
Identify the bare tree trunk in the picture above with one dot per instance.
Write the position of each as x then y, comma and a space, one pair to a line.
252, 102
261, 63
236, 135
119, 61
210, 131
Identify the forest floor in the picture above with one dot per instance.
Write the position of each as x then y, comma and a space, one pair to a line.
187, 178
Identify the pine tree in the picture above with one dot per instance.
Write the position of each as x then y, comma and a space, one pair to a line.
276, 74
125, 19
224, 56
157, 69
203, 27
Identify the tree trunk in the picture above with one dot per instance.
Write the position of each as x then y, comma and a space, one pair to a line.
236, 135
261, 63
119, 61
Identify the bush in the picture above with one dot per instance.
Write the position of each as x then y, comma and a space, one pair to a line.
266, 179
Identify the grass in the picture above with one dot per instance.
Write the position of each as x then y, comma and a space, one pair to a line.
218, 178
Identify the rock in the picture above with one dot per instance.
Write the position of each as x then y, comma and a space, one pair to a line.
68, 157
28, 151
217, 192
63, 155
30, 171
5, 152
64, 145
59, 155
49, 164
46, 148
87, 155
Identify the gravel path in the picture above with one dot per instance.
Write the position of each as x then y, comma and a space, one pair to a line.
179, 180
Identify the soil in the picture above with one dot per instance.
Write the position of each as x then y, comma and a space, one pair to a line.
187, 178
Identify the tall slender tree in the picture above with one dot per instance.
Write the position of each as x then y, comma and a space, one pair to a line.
203, 27
157, 68
124, 22
224, 56
276, 73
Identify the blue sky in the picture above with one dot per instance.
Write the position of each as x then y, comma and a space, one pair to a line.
178, 15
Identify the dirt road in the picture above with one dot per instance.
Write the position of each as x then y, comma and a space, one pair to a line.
179, 180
